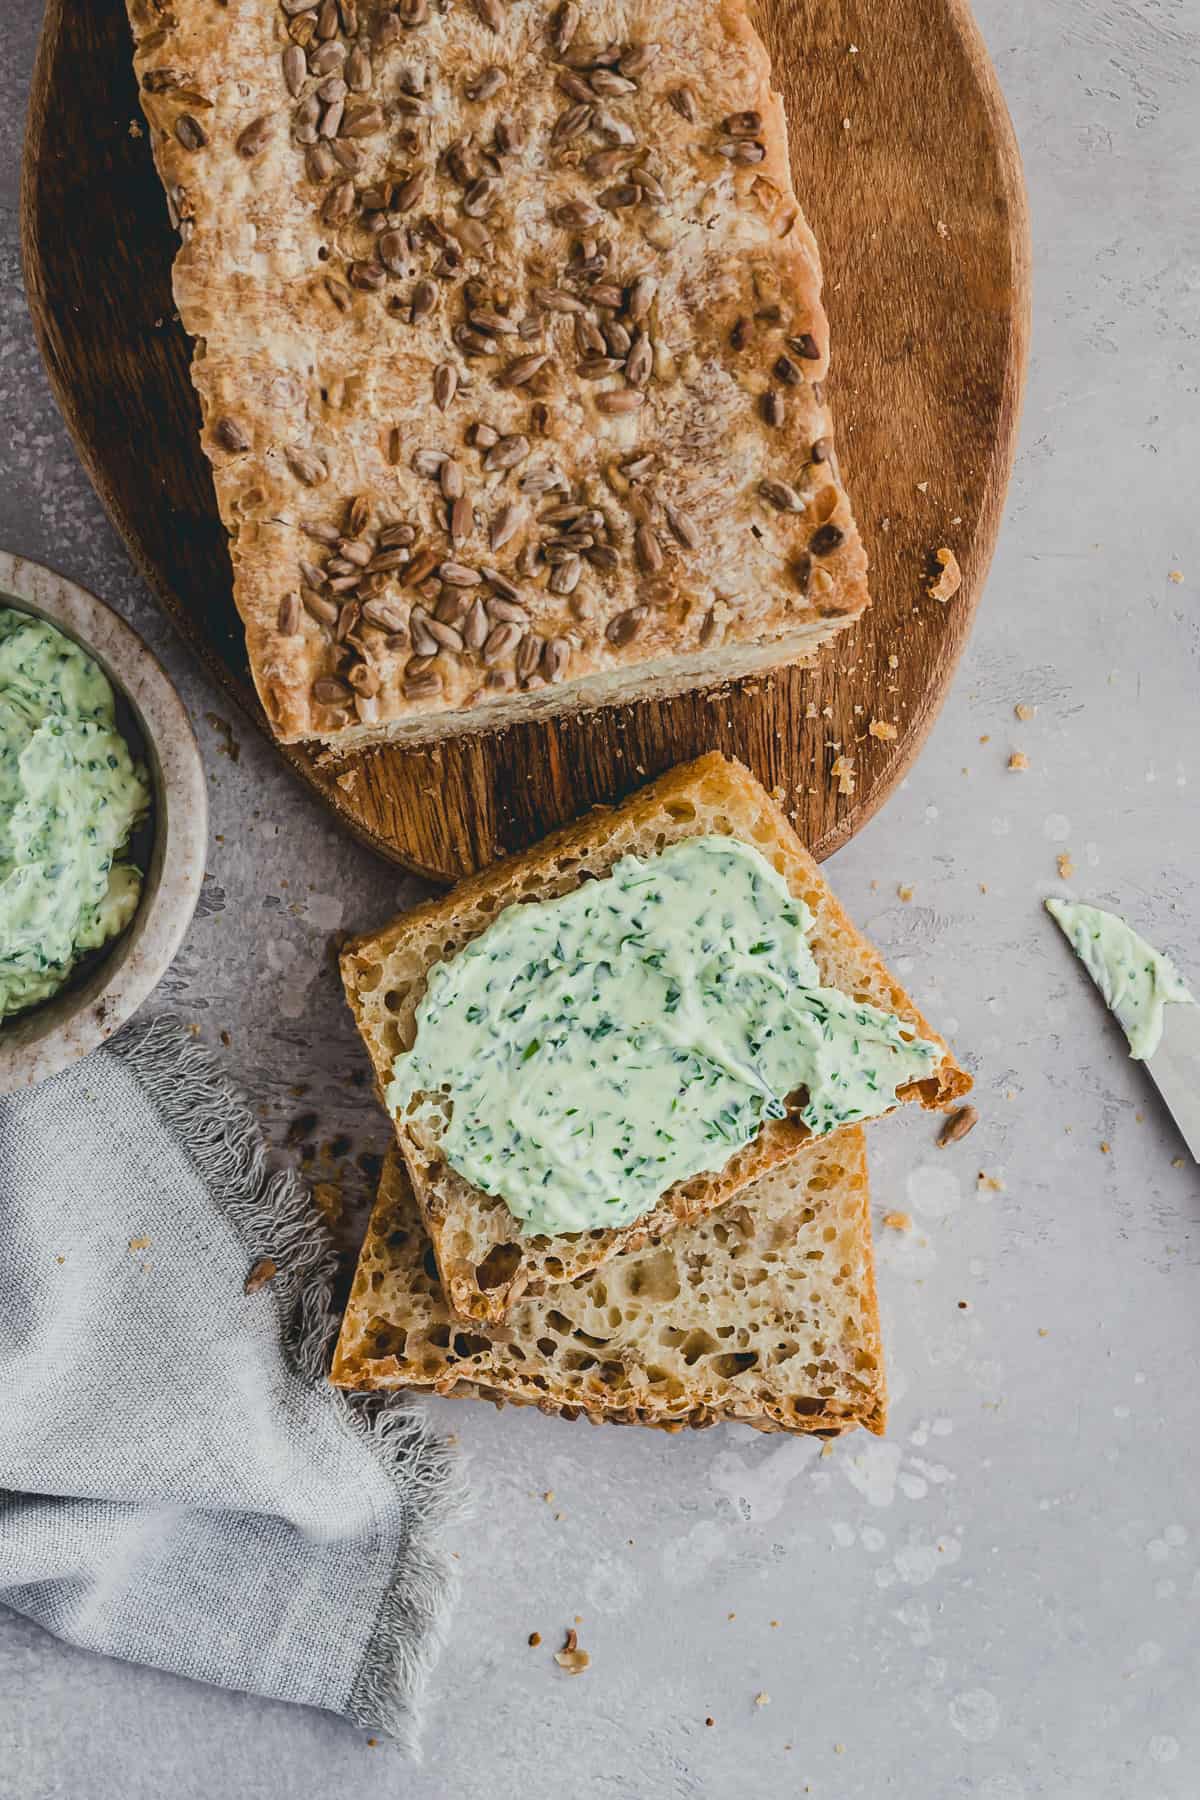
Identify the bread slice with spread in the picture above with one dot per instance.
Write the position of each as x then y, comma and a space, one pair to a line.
510, 351
764, 1312
485, 1201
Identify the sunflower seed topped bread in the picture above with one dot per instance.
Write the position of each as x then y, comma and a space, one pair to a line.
510, 352
764, 1312
486, 1263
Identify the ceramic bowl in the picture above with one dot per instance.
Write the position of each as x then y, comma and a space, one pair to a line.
113, 984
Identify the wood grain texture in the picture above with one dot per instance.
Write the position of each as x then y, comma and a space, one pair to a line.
905, 163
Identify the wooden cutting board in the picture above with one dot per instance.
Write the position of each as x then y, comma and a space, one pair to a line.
905, 162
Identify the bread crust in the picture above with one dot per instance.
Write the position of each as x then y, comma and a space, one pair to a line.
317, 393
384, 974
661, 1338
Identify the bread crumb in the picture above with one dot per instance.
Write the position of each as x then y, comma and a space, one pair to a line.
1066, 868
827, 1447
142, 1243
1018, 760
943, 230
949, 581
710, 1720
579, 1618
893, 662
1042, 1331
988, 1184
1177, 1162
1105, 1148
262, 1272
1024, 712
839, 1749
60, 1259
535, 1638
898, 1221
986, 738
135, 130
904, 893
879, 728
548, 1495
843, 768
762, 1699
983, 888
922, 487
731, 1615
371, 1743
571, 1657
1175, 575
774, 1624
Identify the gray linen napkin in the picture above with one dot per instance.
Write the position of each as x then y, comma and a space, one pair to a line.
178, 1484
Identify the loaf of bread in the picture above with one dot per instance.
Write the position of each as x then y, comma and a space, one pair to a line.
486, 1263
763, 1312
510, 352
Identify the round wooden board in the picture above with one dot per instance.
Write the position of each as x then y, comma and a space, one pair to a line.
906, 165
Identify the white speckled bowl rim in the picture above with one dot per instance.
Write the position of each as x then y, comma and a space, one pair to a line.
39, 1043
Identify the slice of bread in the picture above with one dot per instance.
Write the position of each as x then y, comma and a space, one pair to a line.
763, 1312
485, 1262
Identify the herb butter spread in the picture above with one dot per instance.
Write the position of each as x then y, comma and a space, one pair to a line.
1137, 980
70, 795
597, 1048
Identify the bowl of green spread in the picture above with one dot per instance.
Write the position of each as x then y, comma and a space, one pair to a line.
103, 822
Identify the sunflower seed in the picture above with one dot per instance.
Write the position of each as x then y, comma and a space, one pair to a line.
564, 23
386, 560
482, 436
339, 293
318, 162
500, 642
541, 481
475, 626
339, 203
555, 657
621, 400
612, 129
598, 368
574, 87
608, 85
637, 59
491, 13
504, 526
648, 550
589, 339
503, 609
362, 121
651, 187
565, 577
445, 385
423, 564
428, 462
396, 534
489, 81
424, 299
640, 362
741, 150
446, 637
229, 435
306, 465
355, 551
607, 295
571, 124
288, 621
451, 479
318, 607
774, 407
624, 627
346, 156
331, 89
484, 319
500, 678
507, 453
310, 574
781, 496
358, 71
461, 520
190, 133
530, 561
329, 691
456, 574
295, 69
370, 277
422, 640
742, 125
480, 197
327, 19
331, 119
319, 532
684, 102
412, 12
683, 528
622, 193
805, 346
412, 106
577, 215
529, 655
826, 539
327, 58
510, 135
523, 369
602, 164
428, 686
602, 556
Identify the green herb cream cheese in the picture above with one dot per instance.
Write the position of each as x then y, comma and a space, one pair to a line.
593, 1050
70, 794
1137, 980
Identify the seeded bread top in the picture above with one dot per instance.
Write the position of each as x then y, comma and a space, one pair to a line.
509, 344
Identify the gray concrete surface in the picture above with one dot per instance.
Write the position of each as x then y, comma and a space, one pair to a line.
1002, 1599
